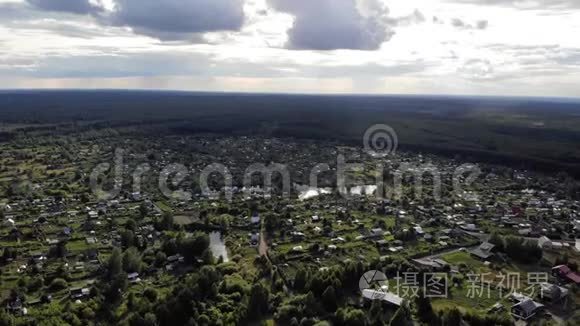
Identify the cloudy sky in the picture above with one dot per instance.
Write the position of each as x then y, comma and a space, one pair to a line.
484, 47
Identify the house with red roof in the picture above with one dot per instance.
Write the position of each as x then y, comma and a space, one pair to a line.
565, 274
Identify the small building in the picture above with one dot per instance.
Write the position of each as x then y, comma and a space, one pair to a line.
255, 219
381, 244
15, 306
378, 232
418, 230
384, 296
298, 249
544, 242
133, 278
526, 309
484, 251
175, 259
431, 264
557, 245
254, 239
565, 274
79, 293
552, 293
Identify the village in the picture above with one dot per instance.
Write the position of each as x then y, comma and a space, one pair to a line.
59, 239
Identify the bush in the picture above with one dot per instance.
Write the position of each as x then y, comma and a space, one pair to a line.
150, 294
58, 284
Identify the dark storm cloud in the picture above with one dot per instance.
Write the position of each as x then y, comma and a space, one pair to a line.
179, 19
82, 7
332, 25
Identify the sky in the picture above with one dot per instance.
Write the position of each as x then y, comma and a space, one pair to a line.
455, 47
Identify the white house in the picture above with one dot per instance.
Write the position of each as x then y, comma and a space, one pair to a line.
544, 242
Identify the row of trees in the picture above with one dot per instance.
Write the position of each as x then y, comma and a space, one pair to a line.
519, 249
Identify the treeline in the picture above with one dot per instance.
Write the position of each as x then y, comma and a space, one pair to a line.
517, 248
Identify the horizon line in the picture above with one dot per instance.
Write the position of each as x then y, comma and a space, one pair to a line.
318, 94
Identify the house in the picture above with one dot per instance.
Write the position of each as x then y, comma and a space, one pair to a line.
297, 236
378, 232
526, 231
136, 196
175, 258
565, 274
431, 264
255, 219
79, 293
298, 249
67, 231
526, 309
557, 245
544, 242
552, 293
16, 307
254, 239
483, 251
469, 227
383, 295
91, 254
418, 230
338, 240
381, 244
133, 278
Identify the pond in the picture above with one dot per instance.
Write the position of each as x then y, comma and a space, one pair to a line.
217, 246
311, 193
367, 190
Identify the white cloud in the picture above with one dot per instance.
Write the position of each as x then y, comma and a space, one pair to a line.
473, 47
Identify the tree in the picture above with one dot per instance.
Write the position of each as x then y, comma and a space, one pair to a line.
207, 257
497, 240
402, 317
115, 264
193, 247
150, 294
132, 261
127, 238
131, 225
424, 308
58, 284
329, 299
300, 279
143, 210
160, 258
58, 251
166, 222
350, 317
258, 304
452, 317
